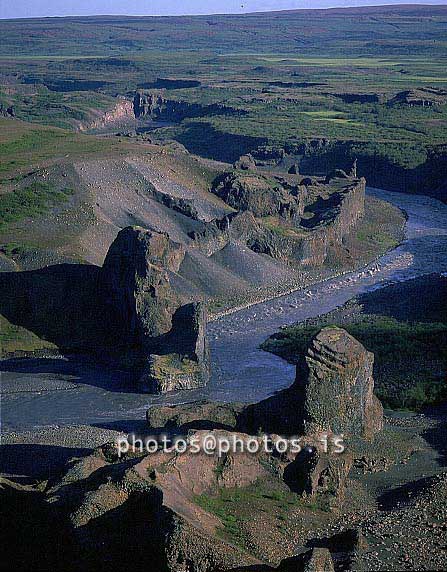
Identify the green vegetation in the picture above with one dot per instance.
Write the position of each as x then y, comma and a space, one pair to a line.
30, 201
410, 358
362, 36
279, 226
14, 339
25, 146
65, 110
235, 506
322, 75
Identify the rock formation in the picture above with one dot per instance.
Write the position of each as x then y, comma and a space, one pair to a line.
115, 506
154, 105
336, 386
268, 155
314, 472
185, 362
336, 174
298, 223
260, 195
353, 170
161, 334
120, 116
136, 270
421, 97
198, 415
294, 169
314, 560
7, 111
332, 393
245, 163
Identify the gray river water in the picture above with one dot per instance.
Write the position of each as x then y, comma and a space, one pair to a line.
42, 392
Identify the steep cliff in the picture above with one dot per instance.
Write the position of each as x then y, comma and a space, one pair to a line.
165, 339
122, 114
154, 105
286, 220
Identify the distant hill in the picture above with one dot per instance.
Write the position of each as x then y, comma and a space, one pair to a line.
347, 31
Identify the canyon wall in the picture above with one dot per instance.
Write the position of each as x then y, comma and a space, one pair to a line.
154, 105
122, 114
272, 220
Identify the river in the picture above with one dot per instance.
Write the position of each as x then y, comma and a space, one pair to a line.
41, 392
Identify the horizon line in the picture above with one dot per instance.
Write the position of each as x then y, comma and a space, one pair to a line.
326, 9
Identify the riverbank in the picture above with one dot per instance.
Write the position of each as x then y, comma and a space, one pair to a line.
381, 230
67, 392
400, 324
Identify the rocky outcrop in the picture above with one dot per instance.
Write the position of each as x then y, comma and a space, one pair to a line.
165, 337
332, 393
198, 415
260, 195
245, 163
136, 271
314, 560
147, 504
294, 169
360, 97
336, 386
7, 111
178, 204
337, 213
268, 155
150, 504
154, 105
300, 224
422, 97
353, 170
314, 472
121, 115
185, 361
336, 174
128, 311
240, 227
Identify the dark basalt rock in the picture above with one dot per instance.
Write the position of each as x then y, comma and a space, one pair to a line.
268, 155
336, 174
259, 194
336, 386
245, 163
153, 105
185, 361
353, 170
7, 111
422, 97
315, 560
309, 182
294, 169
165, 337
136, 271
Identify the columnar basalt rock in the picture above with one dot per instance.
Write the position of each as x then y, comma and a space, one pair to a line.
154, 105
335, 384
260, 195
284, 219
162, 336
136, 270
